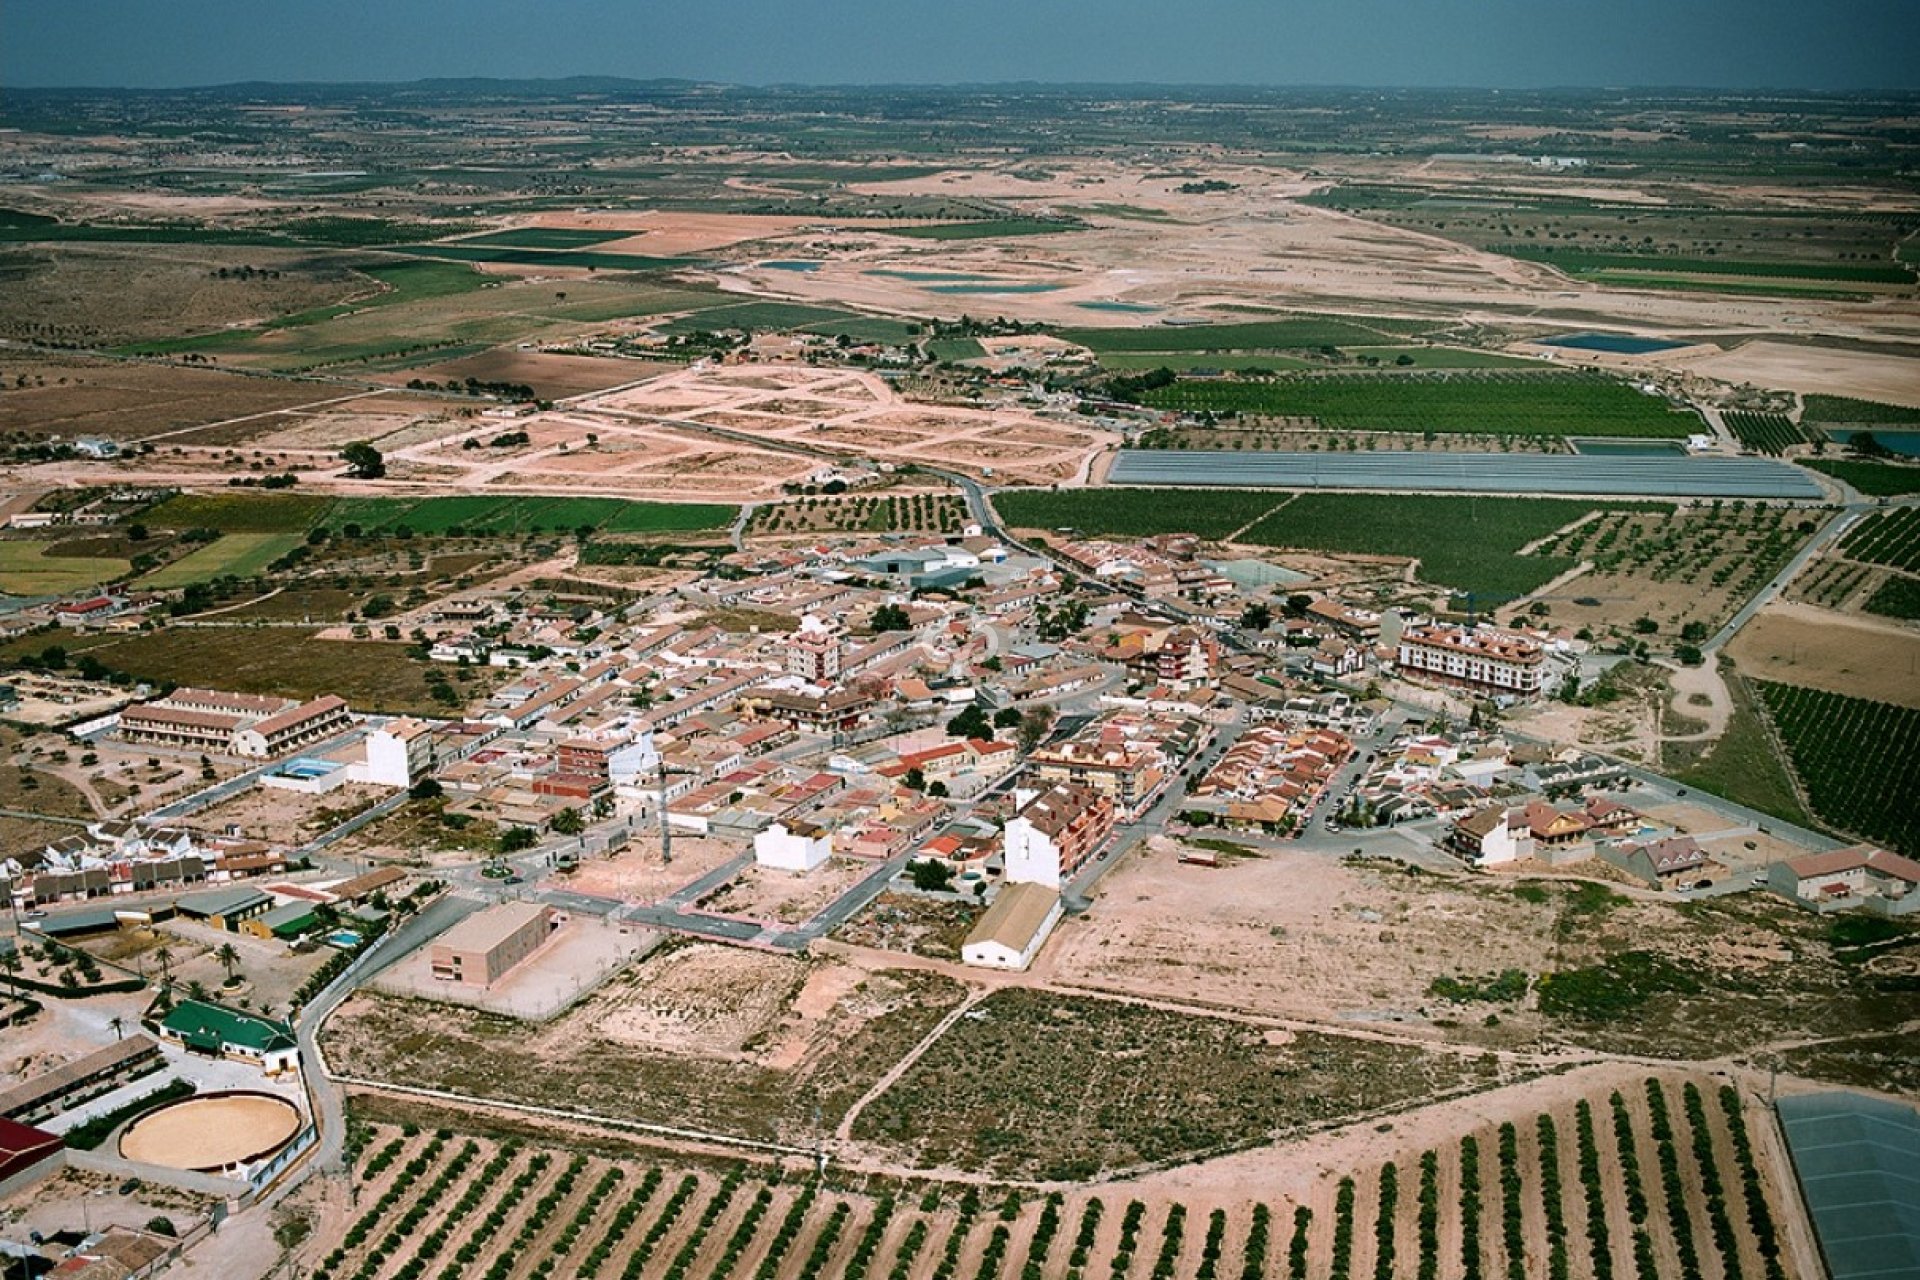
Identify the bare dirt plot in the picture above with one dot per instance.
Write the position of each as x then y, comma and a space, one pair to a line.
128, 401
1818, 370
574, 959
552, 376
212, 1132
663, 233
637, 874
787, 896
712, 1046
1800, 644
266, 813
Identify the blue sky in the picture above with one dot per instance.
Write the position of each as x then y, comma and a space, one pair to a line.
1813, 44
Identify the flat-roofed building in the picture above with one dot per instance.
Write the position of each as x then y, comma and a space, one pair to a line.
482, 948
292, 729
1012, 930
1054, 834
38, 1097
225, 908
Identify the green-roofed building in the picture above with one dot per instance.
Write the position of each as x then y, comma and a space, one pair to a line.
203, 1027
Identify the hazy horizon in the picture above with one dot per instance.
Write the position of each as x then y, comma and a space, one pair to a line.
1708, 45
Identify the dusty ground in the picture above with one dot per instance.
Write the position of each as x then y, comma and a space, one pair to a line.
666, 233
786, 896
268, 813
1821, 370
1292, 935
575, 958
552, 376
1800, 644
637, 874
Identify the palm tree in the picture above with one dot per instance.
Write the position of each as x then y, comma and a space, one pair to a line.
10, 961
118, 1024
197, 989
163, 956
228, 958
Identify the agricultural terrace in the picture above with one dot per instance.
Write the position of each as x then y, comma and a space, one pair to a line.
909, 513
1859, 761
1875, 479
1519, 404
1046, 1086
1655, 1176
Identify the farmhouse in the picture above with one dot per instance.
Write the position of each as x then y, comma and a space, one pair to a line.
1013, 929
1675, 861
1493, 836
482, 948
1862, 876
202, 1027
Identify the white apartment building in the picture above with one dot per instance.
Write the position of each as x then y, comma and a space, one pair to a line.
1499, 662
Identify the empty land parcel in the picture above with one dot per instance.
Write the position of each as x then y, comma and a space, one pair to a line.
1497, 403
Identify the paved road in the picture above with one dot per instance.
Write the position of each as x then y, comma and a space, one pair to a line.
329, 1100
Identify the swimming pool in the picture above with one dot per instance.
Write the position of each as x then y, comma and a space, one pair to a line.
306, 769
343, 939
1619, 344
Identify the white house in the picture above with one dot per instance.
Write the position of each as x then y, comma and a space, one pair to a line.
1494, 835
792, 846
1013, 929
399, 753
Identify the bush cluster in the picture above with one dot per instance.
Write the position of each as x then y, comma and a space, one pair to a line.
1711, 1187
869, 1242
717, 1204
1042, 1242
1759, 1215
1129, 1237
1599, 1244
669, 1214
1383, 1221
1210, 1251
910, 1247
1550, 1194
1343, 1231
1297, 1247
1671, 1182
1083, 1237
1510, 1188
796, 1217
823, 1244
622, 1223
469, 1251
950, 1255
1429, 1222
1172, 1235
1469, 1209
362, 1227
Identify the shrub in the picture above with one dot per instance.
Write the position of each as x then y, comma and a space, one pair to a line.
1383, 1221
1469, 1209
1343, 1231
1297, 1247
1599, 1245
1759, 1214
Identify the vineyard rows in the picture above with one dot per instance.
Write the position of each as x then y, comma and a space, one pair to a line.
1769, 433
1520, 404
1859, 761
1654, 1180
1728, 546
1887, 537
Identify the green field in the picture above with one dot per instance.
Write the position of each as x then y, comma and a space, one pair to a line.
1858, 760
1468, 544
1875, 479
240, 512
239, 555
544, 238
1846, 411
1444, 358
1136, 513
25, 570
956, 349
987, 230
1490, 404
1582, 262
1742, 765
1258, 335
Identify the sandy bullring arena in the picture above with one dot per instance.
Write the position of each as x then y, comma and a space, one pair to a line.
212, 1133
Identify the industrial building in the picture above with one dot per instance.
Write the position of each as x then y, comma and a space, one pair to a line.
482, 948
